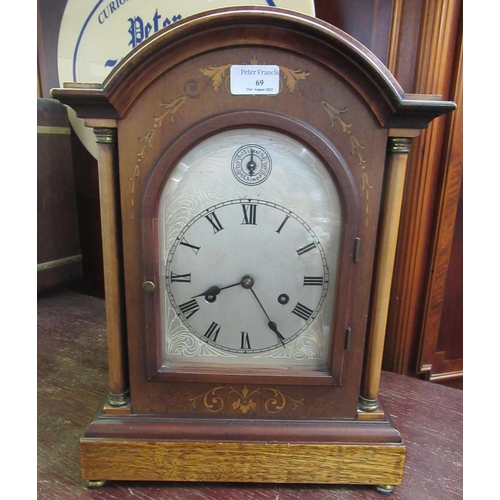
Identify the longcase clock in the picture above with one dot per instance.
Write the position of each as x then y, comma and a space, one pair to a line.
251, 169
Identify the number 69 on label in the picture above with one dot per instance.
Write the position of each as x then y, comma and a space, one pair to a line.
253, 79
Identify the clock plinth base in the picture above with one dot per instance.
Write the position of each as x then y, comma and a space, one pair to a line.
121, 448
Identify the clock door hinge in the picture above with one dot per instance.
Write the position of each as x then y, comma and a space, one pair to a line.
357, 244
347, 341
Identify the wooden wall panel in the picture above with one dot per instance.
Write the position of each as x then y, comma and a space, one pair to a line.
416, 292
441, 343
420, 42
49, 16
58, 245
372, 28
404, 41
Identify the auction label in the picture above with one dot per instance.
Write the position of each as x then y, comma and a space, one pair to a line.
254, 79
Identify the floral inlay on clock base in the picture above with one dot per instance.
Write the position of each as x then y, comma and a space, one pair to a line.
245, 400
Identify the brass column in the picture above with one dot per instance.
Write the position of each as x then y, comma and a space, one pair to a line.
106, 139
398, 149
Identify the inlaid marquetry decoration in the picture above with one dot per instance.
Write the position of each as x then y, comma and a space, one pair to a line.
336, 117
245, 400
216, 77
219, 75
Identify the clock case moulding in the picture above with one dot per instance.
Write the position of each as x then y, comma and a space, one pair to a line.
168, 94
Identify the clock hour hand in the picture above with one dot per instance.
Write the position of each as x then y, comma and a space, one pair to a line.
213, 291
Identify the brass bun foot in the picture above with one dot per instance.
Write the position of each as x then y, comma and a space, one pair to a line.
94, 484
385, 489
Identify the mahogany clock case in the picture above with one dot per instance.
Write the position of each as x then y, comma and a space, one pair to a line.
170, 94
189, 101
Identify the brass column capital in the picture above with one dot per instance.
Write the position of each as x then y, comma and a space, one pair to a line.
105, 135
399, 144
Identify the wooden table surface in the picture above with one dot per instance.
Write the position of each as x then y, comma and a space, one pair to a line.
72, 381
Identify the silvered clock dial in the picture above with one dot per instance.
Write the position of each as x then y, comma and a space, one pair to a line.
249, 232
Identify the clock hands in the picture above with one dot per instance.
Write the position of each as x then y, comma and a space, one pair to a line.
251, 165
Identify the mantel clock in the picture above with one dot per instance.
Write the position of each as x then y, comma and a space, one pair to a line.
251, 166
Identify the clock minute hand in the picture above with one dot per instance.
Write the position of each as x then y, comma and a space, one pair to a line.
274, 327
271, 324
